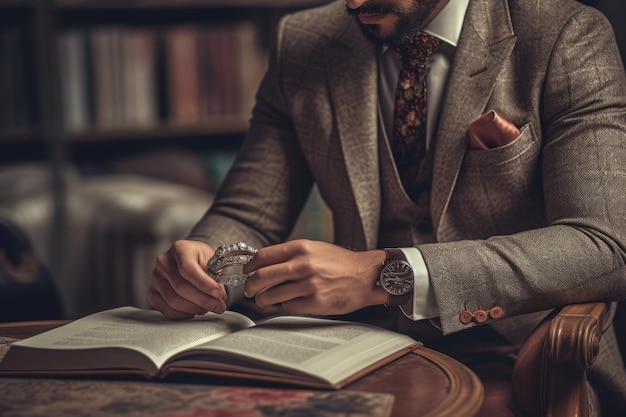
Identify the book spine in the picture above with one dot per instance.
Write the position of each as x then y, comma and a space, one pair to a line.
129, 52
118, 66
102, 59
74, 83
208, 75
144, 70
182, 67
229, 85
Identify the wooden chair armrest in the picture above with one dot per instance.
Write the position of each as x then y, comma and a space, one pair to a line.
574, 335
549, 377
571, 346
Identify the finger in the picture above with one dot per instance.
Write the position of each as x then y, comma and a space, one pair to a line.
162, 286
191, 269
205, 300
158, 303
176, 308
284, 292
274, 254
276, 274
184, 298
167, 269
275, 264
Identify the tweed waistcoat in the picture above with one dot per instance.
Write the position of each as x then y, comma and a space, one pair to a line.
403, 222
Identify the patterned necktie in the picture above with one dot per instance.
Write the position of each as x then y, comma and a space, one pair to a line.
409, 125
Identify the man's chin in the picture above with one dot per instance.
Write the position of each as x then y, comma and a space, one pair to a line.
373, 34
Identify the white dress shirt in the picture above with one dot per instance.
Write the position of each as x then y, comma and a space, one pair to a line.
447, 27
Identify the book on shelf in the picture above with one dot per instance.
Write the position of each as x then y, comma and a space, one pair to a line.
229, 97
140, 84
73, 52
302, 351
182, 70
106, 58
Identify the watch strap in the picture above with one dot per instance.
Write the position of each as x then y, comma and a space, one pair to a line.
395, 254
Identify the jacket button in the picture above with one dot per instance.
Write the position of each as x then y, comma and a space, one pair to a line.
480, 316
466, 317
496, 312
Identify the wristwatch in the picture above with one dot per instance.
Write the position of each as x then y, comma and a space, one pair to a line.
396, 277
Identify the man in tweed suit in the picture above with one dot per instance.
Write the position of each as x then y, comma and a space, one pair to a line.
499, 236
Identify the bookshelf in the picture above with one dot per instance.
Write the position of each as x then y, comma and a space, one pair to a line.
86, 80
125, 69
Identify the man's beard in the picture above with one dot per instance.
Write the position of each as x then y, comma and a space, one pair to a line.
410, 21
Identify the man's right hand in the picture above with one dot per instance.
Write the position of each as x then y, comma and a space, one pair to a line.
179, 286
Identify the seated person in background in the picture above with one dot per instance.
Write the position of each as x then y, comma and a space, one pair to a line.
500, 223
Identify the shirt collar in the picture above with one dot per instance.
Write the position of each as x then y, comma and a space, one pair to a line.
448, 22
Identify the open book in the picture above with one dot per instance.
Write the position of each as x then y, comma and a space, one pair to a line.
319, 353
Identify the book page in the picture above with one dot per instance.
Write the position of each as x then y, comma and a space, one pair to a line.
146, 331
327, 349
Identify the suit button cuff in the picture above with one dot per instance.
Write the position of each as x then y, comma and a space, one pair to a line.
496, 312
466, 317
480, 316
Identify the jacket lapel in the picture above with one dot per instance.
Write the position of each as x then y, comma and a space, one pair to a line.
486, 41
351, 68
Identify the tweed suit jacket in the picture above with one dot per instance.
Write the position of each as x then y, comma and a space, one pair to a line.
530, 226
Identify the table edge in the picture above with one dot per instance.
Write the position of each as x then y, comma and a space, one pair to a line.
466, 394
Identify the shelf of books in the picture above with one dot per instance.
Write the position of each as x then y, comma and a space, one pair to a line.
139, 68
144, 79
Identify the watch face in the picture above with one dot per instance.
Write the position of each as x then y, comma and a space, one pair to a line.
396, 277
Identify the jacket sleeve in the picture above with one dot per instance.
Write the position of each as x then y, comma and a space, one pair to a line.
580, 253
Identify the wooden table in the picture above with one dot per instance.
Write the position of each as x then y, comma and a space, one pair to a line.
425, 383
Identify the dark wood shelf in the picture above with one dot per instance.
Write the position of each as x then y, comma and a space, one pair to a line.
156, 132
234, 126
102, 152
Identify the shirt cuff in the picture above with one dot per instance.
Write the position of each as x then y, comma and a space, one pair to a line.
423, 304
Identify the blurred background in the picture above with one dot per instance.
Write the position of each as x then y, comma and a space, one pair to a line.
118, 121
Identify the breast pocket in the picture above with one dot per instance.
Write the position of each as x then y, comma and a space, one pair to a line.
526, 144
498, 191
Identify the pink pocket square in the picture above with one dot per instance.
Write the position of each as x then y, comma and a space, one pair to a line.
491, 131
